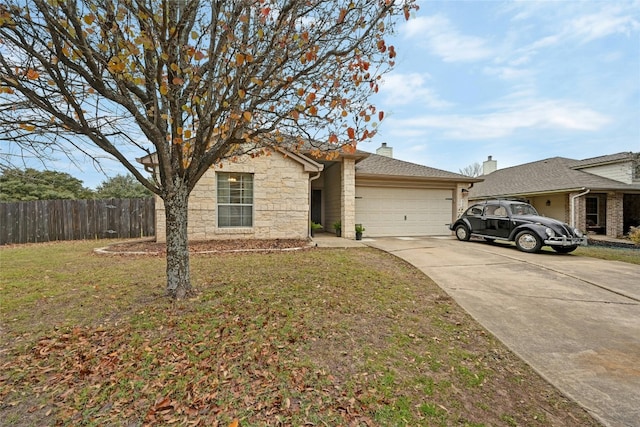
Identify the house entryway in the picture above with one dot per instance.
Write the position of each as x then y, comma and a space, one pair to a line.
316, 206
631, 211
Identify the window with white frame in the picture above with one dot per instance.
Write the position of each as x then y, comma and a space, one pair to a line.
235, 199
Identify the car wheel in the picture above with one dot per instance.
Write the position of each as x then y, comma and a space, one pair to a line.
564, 249
462, 233
528, 241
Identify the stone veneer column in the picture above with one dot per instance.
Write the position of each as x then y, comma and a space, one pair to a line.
615, 210
161, 221
348, 198
460, 201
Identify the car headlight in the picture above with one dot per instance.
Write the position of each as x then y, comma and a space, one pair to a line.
578, 232
550, 232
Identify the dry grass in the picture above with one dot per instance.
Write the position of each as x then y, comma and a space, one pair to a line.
314, 337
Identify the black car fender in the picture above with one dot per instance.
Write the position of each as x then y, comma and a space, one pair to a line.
460, 221
539, 229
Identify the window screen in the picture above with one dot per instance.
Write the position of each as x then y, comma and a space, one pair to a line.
235, 199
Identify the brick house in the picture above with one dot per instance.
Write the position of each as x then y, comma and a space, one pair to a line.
600, 194
277, 196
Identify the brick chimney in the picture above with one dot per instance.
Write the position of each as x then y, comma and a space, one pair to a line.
385, 151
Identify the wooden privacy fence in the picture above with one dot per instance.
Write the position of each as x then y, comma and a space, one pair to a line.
49, 220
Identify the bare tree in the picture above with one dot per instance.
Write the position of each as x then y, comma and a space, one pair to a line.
473, 170
194, 82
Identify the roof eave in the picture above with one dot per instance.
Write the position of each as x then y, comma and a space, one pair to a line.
357, 156
415, 178
309, 164
526, 194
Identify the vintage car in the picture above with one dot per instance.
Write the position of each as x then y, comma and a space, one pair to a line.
517, 222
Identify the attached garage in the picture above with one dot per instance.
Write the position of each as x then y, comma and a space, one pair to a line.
389, 197
397, 211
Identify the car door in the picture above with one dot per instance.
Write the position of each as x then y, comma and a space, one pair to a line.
496, 221
475, 217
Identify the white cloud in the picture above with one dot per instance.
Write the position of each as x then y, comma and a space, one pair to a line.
404, 89
442, 39
508, 73
566, 24
608, 21
582, 23
531, 115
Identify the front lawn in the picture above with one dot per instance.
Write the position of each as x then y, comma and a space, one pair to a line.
320, 337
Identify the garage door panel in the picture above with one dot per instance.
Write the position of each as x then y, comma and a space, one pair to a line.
403, 212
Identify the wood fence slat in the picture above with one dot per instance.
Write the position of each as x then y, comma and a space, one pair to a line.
42, 225
91, 220
50, 220
21, 223
4, 219
58, 220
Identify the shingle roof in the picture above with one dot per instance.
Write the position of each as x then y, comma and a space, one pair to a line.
608, 159
376, 164
549, 175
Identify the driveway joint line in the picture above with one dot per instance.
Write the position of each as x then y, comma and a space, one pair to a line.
550, 298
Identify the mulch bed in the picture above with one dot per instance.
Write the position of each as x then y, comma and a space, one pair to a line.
239, 245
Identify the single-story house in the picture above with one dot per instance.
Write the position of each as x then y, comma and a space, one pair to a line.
277, 196
600, 195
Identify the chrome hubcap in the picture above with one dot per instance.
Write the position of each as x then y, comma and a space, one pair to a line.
527, 241
462, 232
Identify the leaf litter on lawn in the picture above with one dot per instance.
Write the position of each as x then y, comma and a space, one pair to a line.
317, 337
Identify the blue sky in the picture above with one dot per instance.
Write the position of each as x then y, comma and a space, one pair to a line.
520, 81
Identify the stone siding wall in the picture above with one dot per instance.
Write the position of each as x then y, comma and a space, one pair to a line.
280, 204
348, 195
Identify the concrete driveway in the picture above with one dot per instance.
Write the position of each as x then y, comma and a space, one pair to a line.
575, 320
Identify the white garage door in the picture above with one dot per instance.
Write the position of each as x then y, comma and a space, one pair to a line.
403, 212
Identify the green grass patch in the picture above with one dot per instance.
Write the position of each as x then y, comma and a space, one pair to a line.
315, 337
612, 254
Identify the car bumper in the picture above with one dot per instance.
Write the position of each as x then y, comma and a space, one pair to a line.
566, 241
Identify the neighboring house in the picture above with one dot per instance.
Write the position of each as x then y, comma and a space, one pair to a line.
600, 195
277, 196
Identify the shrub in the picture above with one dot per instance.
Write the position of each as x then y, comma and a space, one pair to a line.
634, 235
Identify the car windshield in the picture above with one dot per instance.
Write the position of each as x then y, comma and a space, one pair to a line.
523, 209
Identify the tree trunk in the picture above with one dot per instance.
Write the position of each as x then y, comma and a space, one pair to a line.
178, 276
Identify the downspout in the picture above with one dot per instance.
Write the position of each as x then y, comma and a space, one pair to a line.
573, 206
313, 178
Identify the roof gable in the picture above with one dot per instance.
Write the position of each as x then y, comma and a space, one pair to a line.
606, 160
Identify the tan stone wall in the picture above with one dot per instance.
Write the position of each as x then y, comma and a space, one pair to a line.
280, 205
460, 200
348, 195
